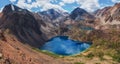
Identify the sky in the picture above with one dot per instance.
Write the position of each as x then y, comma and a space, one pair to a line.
63, 5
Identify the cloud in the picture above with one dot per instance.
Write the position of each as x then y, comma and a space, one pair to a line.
29, 1
37, 3
115, 1
44, 4
53, 1
49, 6
12, 1
89, 5
68, 1
1, 9
61, 4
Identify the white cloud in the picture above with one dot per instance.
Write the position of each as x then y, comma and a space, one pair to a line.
68, 1
89, 5
53, 1
29, 1
115, 1
49, 6
44, 4
1, 9
12, 1
61, 4
37, 3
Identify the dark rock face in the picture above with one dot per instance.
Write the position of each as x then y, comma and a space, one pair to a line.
80, 14
23, 25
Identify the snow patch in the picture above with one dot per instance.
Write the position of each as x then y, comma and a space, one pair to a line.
12, 7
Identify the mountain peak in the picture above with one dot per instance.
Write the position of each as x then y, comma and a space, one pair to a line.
51, 10
79, 12
51, 13
11, 8
78, 9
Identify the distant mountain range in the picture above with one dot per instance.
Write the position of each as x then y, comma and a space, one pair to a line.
107, 15
53, 14
19, 20
26, 24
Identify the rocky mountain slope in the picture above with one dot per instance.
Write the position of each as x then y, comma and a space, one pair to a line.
23, 25
20, 32
12, 51
109, 16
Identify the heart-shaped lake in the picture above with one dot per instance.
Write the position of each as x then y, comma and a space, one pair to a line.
62, 45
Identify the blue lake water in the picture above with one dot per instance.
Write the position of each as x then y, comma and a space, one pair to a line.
62, 45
